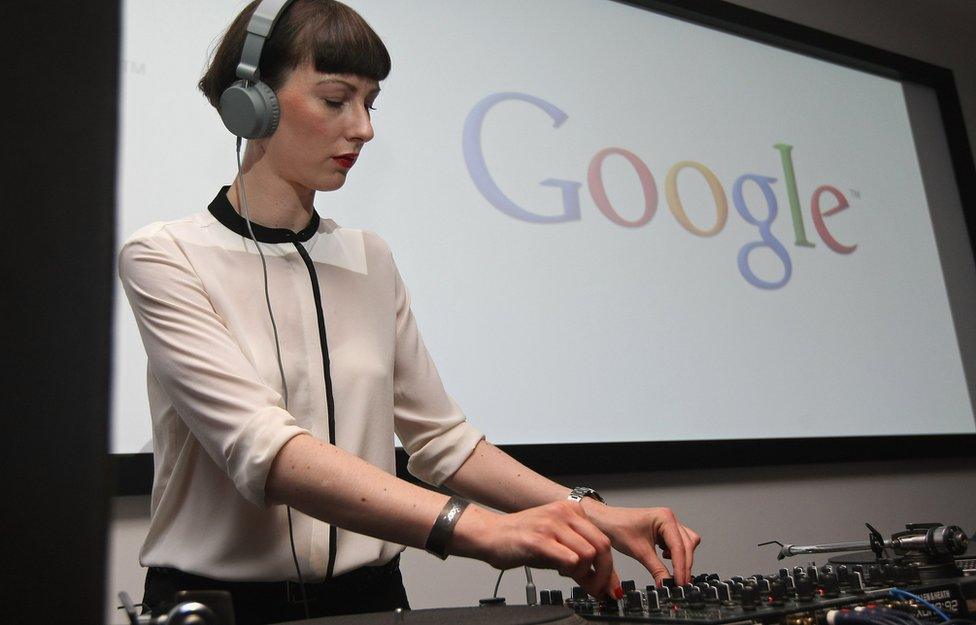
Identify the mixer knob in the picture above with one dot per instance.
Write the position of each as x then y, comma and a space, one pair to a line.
804, 588
710, 593
813, 573
826, 569
874, 576
687, 588
653, 600
790, 584
798, 571
749, 596
737, 579
736, 590
579, 594
706, 592
784, 572
724, 591
694, 598
843, 575
899, 574
888, 573
857, 582
628, 585
545, 598
607, 606
777, 592
633, 602
912, 573
556, 596
701, 577
664, 593
713, 576
828, 584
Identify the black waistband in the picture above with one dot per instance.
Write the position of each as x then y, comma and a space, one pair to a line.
357, 580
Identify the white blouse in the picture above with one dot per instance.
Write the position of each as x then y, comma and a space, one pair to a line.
356, 370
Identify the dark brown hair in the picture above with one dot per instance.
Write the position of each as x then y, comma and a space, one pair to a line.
336, 39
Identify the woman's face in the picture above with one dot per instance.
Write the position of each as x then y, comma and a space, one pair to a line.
323, 127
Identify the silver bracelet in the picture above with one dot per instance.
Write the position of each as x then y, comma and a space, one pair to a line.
443, 527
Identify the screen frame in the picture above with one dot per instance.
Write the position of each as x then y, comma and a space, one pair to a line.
132, 473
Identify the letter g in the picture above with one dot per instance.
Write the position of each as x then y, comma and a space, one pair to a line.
474, 158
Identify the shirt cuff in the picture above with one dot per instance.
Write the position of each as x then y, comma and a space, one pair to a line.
444, 454
257, 445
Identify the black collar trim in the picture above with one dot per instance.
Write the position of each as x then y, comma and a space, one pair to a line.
223, 211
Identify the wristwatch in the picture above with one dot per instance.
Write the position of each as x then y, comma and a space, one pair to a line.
579, 492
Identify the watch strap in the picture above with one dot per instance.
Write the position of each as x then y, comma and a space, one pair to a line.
579, 492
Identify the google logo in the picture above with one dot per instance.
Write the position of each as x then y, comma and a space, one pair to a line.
478, 169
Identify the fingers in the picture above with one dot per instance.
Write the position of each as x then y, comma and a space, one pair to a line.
653, 564
675, 543
560, 536
603, 572
575, 557
690, 540
689, 550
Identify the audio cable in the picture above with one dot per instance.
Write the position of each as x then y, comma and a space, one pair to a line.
904, 594
281, 368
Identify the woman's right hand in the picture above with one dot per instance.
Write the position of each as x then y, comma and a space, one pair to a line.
556, 536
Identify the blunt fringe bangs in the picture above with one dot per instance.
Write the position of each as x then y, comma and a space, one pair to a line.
327, 33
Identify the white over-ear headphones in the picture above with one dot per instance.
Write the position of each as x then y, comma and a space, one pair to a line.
249, 108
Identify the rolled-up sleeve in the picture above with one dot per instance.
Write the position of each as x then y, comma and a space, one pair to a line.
238, 419
428, 422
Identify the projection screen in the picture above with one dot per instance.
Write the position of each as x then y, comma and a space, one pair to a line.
615, 225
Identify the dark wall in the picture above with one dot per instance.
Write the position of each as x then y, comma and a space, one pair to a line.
58, 200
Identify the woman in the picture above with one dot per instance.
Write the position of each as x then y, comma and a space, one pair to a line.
256, 414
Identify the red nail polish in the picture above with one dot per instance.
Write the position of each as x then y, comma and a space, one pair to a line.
618, 593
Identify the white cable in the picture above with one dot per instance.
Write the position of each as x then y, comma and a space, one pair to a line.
264, 268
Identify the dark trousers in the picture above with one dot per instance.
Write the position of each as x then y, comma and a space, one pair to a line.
367, 589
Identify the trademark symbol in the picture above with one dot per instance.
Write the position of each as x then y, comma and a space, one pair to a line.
854, 193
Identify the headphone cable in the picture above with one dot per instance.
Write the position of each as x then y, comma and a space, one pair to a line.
281, 369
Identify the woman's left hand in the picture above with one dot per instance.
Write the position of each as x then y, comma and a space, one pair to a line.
637, 532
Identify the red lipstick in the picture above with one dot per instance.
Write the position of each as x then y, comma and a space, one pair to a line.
346, 160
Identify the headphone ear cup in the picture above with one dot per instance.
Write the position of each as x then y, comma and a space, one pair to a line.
250, 111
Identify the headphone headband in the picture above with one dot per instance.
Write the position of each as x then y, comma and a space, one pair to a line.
259, 28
